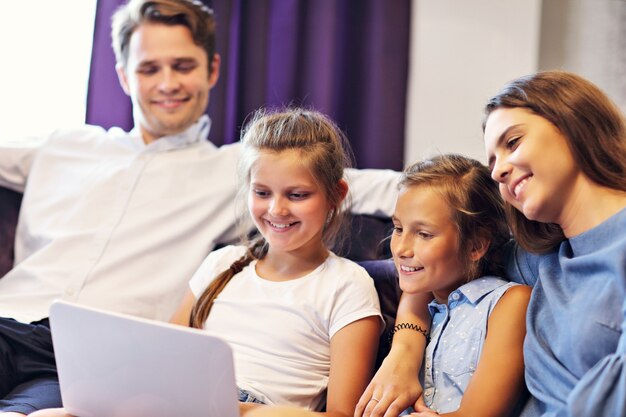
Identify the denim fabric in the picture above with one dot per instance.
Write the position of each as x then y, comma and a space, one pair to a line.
28, 378
246, 397
575, 347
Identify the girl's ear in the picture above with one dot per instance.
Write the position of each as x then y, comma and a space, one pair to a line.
343, 188
479, 248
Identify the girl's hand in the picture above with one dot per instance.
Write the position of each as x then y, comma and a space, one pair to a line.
394, 388
422, 411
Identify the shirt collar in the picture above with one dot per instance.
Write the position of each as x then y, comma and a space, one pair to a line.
471, 292
197, 132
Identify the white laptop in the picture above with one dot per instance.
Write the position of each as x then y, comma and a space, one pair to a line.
115, 365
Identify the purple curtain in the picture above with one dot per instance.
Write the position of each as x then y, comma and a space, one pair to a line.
107, 104
346, 58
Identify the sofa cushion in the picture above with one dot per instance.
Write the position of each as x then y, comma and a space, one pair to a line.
368, 238
9, 209
385, 277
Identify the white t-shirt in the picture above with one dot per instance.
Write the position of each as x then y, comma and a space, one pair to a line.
280, 331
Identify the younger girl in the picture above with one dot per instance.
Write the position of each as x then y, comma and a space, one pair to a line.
449, 228
303, 323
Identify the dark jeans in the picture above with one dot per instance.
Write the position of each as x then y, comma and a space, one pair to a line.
28, 375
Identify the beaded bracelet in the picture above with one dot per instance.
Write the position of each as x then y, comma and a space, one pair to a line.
410, 326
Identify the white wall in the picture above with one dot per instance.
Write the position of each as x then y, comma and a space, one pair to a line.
462, 53
45, 47
589, 38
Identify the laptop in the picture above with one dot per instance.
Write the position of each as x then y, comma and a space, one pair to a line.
116, 365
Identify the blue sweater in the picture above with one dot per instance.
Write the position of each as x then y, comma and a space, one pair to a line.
575, 348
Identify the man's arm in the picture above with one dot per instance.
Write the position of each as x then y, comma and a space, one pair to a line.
16, 158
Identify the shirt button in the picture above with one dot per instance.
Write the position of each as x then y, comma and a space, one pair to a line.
455, 296
428, 392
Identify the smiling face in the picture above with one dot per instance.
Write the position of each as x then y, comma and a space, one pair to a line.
167, 77
425, 243
286, 205
532, 162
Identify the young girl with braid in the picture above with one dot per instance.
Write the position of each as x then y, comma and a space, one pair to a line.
303, 322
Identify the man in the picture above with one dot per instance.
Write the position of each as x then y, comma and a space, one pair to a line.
120, 220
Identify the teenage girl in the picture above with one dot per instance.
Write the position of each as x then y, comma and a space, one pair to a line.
449, 229
303, 323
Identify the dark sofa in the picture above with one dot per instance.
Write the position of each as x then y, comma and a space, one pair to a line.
367, 245
9, 209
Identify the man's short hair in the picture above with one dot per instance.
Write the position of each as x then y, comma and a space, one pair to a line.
192, 14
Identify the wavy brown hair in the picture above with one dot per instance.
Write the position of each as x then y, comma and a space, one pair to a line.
324, 150
592, 125
475, 202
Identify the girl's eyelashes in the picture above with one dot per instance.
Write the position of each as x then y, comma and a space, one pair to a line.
261, 193
425, 235
298, 196
397, 229
292, 195
512, 142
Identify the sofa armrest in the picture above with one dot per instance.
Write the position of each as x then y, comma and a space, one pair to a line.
10, 202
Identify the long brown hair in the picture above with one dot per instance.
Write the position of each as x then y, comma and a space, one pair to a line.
591, 123
476, 204
325, 152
